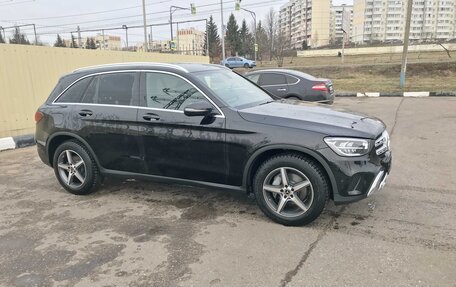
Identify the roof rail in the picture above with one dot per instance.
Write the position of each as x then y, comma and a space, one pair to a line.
133, 63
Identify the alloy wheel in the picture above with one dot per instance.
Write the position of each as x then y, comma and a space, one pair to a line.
288, 192
72, 169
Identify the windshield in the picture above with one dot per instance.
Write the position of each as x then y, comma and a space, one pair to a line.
234, 90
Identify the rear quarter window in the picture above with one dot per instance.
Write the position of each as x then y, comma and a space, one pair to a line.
254, 78
74, 93
292, 80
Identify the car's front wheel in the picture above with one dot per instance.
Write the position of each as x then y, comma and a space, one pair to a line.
75, 168
246, 66
291, 189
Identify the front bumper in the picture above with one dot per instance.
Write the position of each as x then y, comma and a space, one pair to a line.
356, 178
378, 183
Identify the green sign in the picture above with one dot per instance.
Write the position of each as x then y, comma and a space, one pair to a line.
237, 5
193, 8
256, 47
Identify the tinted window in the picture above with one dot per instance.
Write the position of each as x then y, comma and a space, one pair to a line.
292, 80
254, 78
111, 89
165, 91
273, 79
75, 92
231, 59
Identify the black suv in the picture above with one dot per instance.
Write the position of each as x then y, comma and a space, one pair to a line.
199, 124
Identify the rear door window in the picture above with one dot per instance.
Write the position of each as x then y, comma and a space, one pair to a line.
74, 93
268, 79
113, 89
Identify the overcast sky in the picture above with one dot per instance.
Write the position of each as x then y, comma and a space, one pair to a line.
57, 16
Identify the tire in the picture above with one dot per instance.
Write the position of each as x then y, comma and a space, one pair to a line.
293, 98
228, 66
302, 173
87, 170
246, 66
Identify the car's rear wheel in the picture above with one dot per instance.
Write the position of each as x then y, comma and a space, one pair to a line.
294, 98
228, 66
75, 168
291, 189
246, 65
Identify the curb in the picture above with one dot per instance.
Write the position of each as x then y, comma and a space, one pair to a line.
16, 142
398, 94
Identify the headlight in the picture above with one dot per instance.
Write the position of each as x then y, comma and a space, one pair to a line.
348, 146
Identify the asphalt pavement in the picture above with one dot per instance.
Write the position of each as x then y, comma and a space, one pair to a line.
148, 234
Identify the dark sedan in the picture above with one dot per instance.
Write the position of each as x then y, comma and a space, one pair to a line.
294, 85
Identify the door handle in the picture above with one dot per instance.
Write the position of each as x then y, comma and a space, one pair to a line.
151, 117
281, 90
85, 113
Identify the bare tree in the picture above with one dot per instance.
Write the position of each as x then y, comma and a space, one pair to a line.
271, 31
282, 43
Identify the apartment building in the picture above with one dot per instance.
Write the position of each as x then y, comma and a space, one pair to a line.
341, 20
190, 41
108, 42
305, 21
384, 20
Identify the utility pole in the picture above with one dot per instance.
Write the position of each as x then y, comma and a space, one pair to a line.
343, 34
146, 47
34, 32
177, 36
126, 34
1, 28
254, 31
223, 30
102, 34
207, 40
79, 38
406, 43
171, 11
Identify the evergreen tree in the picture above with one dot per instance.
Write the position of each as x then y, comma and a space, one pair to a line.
246, 41
1, 38
90, 44
19, 38
73, 42
214, 40
262, 40
59, 42
232, 35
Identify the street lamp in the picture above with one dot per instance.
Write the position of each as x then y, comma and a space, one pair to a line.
255, 30
126, 34
173, 9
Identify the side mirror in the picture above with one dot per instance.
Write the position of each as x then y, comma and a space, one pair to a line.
199, 109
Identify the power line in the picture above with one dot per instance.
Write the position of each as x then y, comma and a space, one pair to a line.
15, 3
203, 12
87, 14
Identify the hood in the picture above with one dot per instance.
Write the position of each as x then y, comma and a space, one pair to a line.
314, 117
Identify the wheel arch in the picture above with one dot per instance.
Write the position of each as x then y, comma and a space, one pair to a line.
293, 95
262, 154
58, 138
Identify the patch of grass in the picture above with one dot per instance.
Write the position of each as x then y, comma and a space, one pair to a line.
385, 78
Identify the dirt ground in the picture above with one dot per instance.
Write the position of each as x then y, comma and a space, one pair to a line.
148, 234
